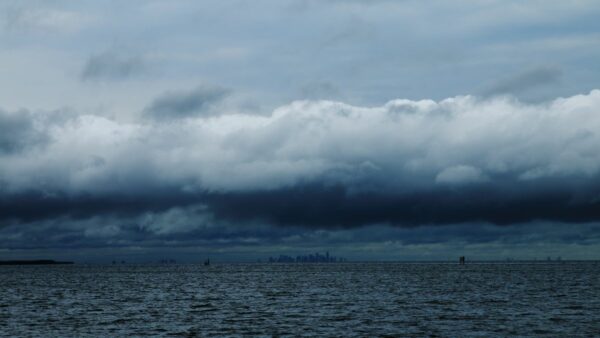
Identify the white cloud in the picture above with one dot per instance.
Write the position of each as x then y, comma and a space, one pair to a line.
409, 143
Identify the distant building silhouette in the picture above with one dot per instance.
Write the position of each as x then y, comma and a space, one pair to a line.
316, 258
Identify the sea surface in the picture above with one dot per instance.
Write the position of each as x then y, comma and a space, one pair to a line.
338, 300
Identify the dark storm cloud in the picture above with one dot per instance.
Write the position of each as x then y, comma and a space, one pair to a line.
182, 104
38, 205
112, 66
17, 131
318, 206
527, 80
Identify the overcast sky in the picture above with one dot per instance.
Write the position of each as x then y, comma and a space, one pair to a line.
143, 130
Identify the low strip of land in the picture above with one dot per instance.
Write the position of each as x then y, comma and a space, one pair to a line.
33, 262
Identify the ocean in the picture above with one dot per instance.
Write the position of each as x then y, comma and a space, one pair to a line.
334, 299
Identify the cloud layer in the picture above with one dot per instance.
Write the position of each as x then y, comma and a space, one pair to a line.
316, 163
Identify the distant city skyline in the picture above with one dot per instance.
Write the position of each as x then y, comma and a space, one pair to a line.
307, 258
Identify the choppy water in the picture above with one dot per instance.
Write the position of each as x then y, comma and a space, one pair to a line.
350, 299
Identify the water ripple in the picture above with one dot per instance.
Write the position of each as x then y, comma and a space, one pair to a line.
350, 299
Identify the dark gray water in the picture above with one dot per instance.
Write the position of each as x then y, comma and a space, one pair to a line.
350, 299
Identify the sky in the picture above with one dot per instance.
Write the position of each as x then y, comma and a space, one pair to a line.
239, 130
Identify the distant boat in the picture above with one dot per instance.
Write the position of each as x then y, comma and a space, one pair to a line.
207, 262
